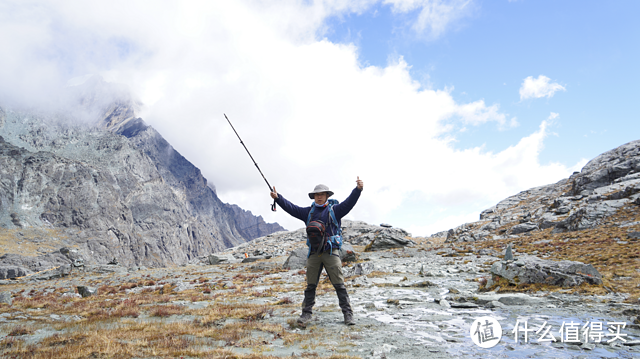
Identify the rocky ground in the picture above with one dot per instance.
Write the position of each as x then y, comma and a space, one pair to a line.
416, 301
572, 275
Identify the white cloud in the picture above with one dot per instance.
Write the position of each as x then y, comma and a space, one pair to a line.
540, 87
306, 109
435, 16
477, 113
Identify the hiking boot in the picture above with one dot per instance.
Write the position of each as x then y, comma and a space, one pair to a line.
305, 317
309, 299
348, 319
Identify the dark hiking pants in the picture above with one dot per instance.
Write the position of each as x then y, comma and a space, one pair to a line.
333, 266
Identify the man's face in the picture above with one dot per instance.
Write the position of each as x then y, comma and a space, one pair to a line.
320, 198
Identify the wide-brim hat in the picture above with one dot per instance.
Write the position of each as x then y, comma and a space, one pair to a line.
319, 189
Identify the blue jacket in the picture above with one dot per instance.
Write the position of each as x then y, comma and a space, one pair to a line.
322, 214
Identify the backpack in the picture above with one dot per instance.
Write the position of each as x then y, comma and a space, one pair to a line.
316, 236
334, 241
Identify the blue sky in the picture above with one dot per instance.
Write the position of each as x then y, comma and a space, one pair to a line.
592, 48
443, 108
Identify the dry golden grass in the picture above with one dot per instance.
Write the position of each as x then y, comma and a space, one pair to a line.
213, 314
618, 263
99, 335
30, 241
125, 340
438, 241
426, 242
376, 273
166, 310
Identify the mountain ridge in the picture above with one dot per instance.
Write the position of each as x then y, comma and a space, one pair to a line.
606, 184
113, 185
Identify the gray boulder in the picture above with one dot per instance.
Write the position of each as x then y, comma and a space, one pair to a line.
363, 239
297, 259
8, 272
253, 259
607, 167
531, 269
34, 264
222, 259
72, 254
508, 253
388, 238
85, 291
359, 269
5, 297
106, 268
588, 216
347, 253
360, 233
524, 227
53, 273
469, 232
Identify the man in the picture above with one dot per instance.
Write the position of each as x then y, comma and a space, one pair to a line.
324, 256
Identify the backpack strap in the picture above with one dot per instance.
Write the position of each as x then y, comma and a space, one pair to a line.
332, 218
310, 213
309, 221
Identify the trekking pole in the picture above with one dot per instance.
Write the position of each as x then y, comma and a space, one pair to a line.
273, 206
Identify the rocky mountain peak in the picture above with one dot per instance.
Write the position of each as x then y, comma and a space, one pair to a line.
606, 184
103, 104
618, 165
110, 186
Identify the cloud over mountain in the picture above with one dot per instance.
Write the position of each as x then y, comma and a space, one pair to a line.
307, 108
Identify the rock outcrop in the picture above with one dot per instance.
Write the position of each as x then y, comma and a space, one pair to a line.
606, 184
111, 187
531, 269
297, 259
293, 243
8, 272
361, 234
388, 238
355, 233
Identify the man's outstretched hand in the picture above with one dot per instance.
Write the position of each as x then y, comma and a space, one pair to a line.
274, 194
359, 184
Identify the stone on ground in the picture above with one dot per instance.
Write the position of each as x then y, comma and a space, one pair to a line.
297, 259
347, 253
5, 297
253, 259
531, 269
508, 254
388, 238
8, 272
85, 291
221, 259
